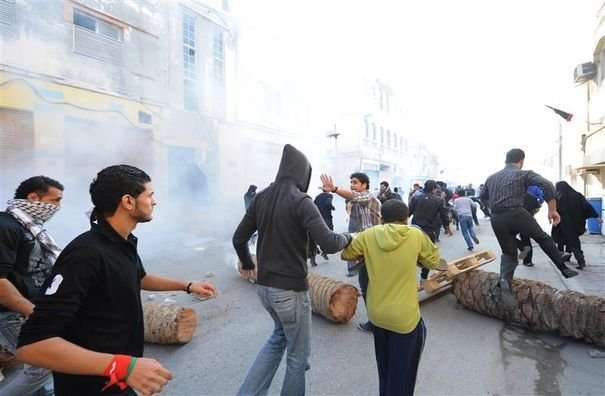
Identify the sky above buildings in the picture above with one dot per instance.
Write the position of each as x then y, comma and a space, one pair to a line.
472, 76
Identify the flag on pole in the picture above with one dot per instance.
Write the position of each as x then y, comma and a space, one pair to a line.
565, 115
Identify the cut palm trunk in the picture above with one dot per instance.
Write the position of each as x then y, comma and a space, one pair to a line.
167, 323
540, 307
332, 299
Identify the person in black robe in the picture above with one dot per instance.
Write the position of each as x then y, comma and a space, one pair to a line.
574, 210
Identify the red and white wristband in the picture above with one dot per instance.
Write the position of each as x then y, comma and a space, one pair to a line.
118, 371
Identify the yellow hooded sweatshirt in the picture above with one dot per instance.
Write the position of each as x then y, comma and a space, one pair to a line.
390, 252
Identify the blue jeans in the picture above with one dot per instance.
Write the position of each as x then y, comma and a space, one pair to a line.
291, 312
29, 380
466, 223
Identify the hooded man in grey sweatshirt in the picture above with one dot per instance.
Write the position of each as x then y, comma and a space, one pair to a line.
286, 219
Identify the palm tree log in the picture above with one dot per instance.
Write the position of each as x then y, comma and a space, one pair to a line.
167, 323
540, 307
332, 299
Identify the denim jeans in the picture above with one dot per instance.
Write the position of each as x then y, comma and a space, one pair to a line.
291, 313
466, 223
29, 380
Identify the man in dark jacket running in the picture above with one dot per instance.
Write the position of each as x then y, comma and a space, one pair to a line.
285, 217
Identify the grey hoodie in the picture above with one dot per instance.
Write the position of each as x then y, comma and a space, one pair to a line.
285, 217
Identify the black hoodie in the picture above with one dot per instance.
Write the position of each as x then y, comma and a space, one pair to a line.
285, 217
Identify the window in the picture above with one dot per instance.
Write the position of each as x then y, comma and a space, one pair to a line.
381, 135
189, 63
367, 126
225, 5
395, 140
374, 131
97, 25
145, 118
7, 12
219, 55
388, 138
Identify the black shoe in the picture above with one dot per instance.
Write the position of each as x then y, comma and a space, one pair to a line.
470, 249
565, 257
313, 262
475, 239
325, 256
568, 272
581, 266
528, 264
524, 252
352, 273
506, 297
367, 327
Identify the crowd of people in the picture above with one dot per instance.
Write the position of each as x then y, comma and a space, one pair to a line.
76, 312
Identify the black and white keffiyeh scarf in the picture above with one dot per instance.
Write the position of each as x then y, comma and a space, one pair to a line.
32, 215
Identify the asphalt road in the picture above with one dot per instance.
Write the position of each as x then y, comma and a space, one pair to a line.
465, 353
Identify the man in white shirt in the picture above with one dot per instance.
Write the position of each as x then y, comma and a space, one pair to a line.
464, 207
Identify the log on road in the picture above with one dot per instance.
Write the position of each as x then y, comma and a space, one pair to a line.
539, 307
168, 323
332, 299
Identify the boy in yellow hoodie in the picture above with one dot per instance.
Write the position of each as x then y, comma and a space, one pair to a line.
391, 251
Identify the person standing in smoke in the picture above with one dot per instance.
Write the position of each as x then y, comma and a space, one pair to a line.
574, 210
285, 218
249, 195
87, 326
505, 192
365, 213
27, 256
323, 201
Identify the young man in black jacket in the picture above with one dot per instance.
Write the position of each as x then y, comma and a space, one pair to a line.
27, 256
285, 218
87, 327
430, 214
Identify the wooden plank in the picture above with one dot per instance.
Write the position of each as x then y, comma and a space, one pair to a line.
441, 281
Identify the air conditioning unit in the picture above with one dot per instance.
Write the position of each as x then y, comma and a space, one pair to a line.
584, 72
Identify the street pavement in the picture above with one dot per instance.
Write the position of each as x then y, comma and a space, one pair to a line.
465, 354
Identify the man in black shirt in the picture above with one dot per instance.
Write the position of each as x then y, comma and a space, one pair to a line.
27, 256
89, 323
430, 214
505, 192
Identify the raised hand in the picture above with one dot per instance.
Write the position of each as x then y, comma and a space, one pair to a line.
327, 183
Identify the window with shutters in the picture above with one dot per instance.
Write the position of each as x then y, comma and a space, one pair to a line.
7, 12
97, 38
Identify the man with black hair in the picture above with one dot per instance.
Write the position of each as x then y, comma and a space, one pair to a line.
430, 214
286, 219
365, 213
385, 192
505, 191
396, 194
27, 255
390, 252
87, 326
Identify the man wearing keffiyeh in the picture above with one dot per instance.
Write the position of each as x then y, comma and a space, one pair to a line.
27, 255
